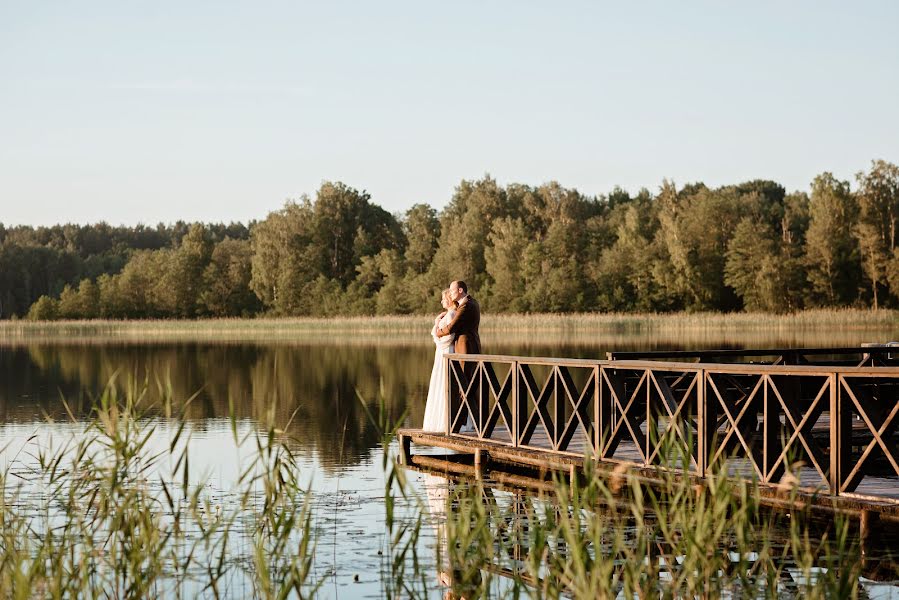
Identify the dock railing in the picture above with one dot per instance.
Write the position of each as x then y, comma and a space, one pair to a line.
832, 427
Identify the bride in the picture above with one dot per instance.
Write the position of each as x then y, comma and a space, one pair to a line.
436, 408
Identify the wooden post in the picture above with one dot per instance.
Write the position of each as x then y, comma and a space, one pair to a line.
405, 449
513, 403
449, 401
558, 424
521, 404
483, 397
597, 427
481, 458
771, 429
868, 524
841, 443
708, 403
774, 437
651, 432
834, 451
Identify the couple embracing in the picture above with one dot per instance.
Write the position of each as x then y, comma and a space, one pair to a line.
455, 330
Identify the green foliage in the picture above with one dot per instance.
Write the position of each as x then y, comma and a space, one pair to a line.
762, 274
422, 229
347, 227
44, 309
695, 229
283, 257
464, 229
226, 280
43, 260
508, 244
83, 303
831, 250
178, 291
543, 249
623, 274
878, 199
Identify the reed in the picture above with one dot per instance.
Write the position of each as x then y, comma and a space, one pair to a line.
570, 328
104, 515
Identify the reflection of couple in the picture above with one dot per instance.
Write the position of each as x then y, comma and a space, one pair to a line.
455, 330
461, 581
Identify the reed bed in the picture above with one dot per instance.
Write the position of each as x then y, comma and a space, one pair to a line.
103, 515
737, 321
590, 541
695, 328
602, 536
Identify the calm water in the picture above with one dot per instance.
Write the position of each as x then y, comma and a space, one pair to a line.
319, 384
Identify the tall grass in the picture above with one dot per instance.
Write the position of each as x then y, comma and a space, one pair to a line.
602, 536
563, 328
104, 515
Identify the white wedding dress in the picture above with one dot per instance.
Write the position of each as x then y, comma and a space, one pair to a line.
436, 408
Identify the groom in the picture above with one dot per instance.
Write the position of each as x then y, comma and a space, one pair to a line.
465, 323
465, 326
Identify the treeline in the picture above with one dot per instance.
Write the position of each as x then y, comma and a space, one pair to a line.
750, 246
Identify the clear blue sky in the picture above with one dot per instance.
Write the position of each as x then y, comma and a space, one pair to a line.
156, 111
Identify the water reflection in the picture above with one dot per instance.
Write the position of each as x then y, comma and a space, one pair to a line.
318, 383
315, 388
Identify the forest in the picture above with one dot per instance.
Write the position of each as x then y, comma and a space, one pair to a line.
522, 249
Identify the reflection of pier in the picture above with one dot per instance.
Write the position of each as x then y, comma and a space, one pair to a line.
824, 419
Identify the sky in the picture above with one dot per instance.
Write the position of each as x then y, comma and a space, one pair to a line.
146, 112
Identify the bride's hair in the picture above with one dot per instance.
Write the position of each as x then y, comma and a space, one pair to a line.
446, 299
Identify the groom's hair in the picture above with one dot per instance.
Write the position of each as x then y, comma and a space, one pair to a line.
462, 286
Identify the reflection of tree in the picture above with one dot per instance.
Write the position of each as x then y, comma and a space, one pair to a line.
316, 384
317, 380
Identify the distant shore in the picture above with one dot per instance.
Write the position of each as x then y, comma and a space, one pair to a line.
696, 328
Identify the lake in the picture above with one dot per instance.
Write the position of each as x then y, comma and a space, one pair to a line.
324, 389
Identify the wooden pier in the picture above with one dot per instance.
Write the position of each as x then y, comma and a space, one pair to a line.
824, 419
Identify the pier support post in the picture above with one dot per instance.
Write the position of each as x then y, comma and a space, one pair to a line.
405, 449
868, 522
481, 458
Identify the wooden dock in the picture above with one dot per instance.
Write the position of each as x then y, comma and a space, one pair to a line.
824, 418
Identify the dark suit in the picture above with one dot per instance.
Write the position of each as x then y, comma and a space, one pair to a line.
465, 326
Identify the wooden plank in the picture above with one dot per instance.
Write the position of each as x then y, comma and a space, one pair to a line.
771, 447
682, 366
751, 352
